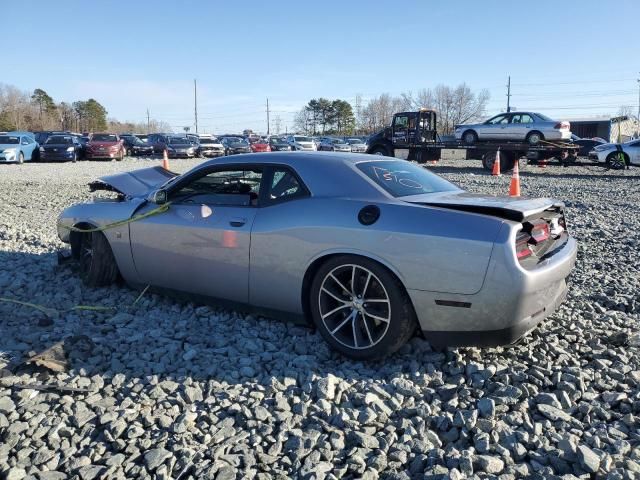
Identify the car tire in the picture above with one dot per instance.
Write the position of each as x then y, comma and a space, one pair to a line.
367, 328
98, 266
20, 158
74, 159
469, 137
381, 150
506, 161
534, 138
614, 162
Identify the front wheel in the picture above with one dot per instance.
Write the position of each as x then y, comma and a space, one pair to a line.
380, 151
360, 308
469, 137
21, 158
74, 159
97, 265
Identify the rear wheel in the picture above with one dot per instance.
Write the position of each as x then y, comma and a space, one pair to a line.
534, 138
97, 265
360, 308
617, 160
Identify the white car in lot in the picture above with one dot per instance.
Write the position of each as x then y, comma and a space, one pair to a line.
529, 127
303, 143
617, 155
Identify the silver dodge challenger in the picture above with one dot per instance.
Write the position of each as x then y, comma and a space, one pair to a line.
366, 249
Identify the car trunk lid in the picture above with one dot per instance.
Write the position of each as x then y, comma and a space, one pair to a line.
135, 183
516, 209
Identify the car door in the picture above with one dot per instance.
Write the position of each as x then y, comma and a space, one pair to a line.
201, 244
493, 129
400, 134
634, 152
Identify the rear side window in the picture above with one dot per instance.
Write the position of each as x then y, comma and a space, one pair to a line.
285, 186
402, 179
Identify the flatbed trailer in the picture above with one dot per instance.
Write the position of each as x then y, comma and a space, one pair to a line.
417, 139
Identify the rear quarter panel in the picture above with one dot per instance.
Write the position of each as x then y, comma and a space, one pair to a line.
428, 249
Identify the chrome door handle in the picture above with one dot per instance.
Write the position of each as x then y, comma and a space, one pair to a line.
237, 221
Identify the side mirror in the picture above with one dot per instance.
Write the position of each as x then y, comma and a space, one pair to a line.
159, 197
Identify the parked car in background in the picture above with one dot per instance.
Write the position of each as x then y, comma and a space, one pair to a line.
136, 147
301, 142
142, 136
334, 145
586, 144
105, 145
61, 148
18, 147
210, 146
260, 146
235, 145
529, 127
158, 141
617, 155
277, 144
41, 136
180, 147
357, 145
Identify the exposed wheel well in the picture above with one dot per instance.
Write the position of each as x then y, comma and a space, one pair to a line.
315, 266
74, 238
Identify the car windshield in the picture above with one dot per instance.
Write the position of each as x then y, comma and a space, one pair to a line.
544, 118
58, 140
336, 140
7, 140
104, 138
275, 140
402, 179
354, 141
179, 141
240, 141
302, 139
204, 141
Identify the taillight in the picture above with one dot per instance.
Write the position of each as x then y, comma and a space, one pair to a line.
539, 232
522, 246
561, 125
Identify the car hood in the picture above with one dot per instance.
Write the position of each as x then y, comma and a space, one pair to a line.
238, 145
517, 209
211, 145
102, 144
55, 145
136, 183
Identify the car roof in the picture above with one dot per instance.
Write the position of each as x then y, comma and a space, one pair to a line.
327, 174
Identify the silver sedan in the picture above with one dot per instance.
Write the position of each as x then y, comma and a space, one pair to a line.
529, 127
367, 249
617, 155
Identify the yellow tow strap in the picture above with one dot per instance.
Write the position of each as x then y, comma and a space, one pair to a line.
151, 213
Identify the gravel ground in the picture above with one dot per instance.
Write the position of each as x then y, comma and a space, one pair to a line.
190, 391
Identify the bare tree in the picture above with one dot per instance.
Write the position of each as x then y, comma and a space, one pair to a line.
302, 121
453, 105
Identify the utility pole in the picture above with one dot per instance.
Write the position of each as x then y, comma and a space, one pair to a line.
148, 122
638, 118
195, 102
267, 115
509, 94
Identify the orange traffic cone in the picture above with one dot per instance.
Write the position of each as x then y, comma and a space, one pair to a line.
514, 188
165, 160
496, 165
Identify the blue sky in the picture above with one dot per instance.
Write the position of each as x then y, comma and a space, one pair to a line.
565, 58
